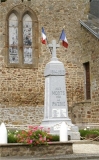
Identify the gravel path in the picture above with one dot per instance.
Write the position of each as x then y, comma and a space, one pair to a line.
86, 148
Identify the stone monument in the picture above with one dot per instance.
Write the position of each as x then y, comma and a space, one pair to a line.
55, 104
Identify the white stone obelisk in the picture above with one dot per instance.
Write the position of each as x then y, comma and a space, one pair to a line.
55, 103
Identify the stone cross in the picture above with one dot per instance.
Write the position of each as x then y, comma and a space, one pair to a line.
54, 46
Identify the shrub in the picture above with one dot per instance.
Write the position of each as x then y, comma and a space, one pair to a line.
52, 138
89, 134
12, 138
34, 136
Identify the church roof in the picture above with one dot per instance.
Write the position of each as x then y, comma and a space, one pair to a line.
92, 24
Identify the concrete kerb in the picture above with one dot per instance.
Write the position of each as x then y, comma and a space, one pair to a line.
67, 157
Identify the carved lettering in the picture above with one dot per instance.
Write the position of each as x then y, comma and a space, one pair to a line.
59, 72
58, 104
59, 93
58, 97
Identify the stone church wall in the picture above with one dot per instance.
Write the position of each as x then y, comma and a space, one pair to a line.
22, 89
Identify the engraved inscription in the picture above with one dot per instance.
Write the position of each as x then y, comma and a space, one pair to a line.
58, 98
57, 72
59, 113
55, 113
58, 93
58, 103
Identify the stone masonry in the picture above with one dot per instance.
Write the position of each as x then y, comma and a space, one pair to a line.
43, 151
22, 89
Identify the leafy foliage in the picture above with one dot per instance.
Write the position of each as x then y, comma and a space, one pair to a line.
33, 136
39, 135
12, 138
89, 134
52, 137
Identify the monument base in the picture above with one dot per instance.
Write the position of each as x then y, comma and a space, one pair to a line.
54, 125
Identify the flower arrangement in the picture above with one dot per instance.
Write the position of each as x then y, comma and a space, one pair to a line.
36, 135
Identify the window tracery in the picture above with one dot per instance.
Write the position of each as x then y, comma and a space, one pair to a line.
22, 39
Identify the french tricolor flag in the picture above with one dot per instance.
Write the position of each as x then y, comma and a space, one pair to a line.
43, 36
64, 39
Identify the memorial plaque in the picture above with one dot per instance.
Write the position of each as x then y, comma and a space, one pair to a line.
55, 113
55, 92
58, 113
58, 96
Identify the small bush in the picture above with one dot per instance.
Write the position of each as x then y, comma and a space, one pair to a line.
89, 134
52, 137
12, 136
34, 136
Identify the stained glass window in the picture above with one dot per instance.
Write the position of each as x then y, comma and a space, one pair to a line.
13, 39
22, 39
27, 39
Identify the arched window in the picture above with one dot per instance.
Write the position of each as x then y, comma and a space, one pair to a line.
13, 39
27, 39
22, 40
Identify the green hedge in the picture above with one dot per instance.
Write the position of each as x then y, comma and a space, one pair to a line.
85, 134
89, 134
12, 137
